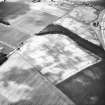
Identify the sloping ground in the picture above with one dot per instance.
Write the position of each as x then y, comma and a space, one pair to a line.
20, 80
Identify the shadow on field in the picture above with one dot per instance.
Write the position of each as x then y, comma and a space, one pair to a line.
11, 10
